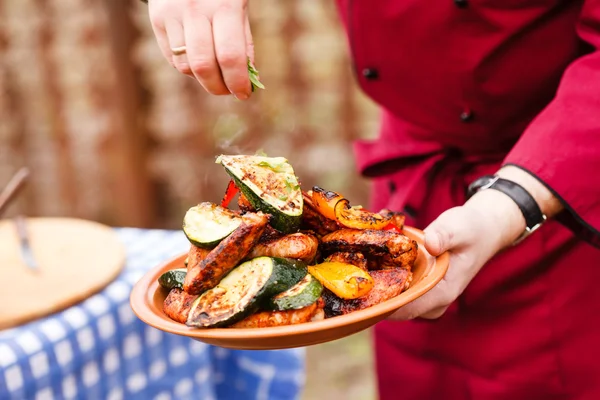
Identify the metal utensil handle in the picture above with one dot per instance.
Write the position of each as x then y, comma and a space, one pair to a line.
14, 186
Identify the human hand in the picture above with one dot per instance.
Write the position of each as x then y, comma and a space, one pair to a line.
472, 234
215, 39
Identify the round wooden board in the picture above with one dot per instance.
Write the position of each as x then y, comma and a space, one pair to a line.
76, 258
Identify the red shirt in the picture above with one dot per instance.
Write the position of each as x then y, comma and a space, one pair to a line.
513, 80
465, 87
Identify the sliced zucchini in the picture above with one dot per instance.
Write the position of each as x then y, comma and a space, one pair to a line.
206, 224
270, 185
173, 278
301, 295
243, 290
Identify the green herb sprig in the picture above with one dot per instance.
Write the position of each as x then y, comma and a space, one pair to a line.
253, 73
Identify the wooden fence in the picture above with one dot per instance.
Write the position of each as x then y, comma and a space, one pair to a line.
112, 133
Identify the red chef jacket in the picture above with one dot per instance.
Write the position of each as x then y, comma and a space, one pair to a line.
466, 86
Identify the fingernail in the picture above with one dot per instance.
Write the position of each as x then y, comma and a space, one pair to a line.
432, 241
241, 96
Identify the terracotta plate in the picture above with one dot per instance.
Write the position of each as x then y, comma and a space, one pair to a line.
147, 300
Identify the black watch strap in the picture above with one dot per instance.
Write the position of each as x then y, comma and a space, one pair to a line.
534, 217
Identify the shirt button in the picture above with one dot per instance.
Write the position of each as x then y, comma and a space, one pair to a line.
461, 3
466, 116
370, 73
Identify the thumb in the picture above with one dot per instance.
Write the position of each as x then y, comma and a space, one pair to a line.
448, 231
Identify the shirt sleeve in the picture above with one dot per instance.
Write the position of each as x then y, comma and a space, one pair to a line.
561, 147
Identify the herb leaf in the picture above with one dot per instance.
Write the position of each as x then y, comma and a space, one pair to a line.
253, 74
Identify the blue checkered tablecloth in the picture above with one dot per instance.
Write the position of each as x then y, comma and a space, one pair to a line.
99, 349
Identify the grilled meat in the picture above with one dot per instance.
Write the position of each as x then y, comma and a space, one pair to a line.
196, 255
244, 205
177, 305
299, 246
402, 251
356, 259
265, 319
270, 234
226, 255
398, 218
388, 283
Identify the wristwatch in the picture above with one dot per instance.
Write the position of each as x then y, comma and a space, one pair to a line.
534, 217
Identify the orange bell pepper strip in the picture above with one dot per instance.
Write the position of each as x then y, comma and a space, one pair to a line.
325, 201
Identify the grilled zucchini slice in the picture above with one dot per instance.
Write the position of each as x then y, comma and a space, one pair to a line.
206, 224
270, 185
173, 278
303, 294
244, 290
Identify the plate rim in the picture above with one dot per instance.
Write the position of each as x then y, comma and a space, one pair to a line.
141, 294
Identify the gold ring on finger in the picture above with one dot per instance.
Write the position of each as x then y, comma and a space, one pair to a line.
177, 51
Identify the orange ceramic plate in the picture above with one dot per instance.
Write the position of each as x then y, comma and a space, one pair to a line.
147, 302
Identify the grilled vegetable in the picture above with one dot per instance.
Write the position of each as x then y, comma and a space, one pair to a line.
303, 294
358, 218
388, 283
206, 272
357, 259
206, 224
334, 206
270, 186
230, 193
325, 201
344, 280
243, 290
173, 278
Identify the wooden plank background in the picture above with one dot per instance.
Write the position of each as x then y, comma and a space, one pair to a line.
112, 133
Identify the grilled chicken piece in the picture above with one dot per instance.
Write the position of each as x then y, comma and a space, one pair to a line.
265, 319
244, 205
227, 254
270, 234
356, 259
313, 220
398, 218
388, 283
402, 250
177, 305
299, 246
196, 255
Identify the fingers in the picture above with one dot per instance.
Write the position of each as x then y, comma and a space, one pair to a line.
447, 232
230, 46
249, 41
201, 54
432, 305
176, 40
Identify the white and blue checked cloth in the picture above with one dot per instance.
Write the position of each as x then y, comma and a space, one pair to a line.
99, 349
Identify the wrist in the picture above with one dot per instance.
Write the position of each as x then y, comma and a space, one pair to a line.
501, 213
548, 203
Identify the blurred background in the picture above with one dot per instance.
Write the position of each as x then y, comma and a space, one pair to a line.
112, 133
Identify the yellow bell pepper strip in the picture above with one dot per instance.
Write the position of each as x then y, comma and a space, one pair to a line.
359, 218
344, 280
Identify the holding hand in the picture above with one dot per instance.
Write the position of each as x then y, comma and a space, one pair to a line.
209, 40
473, 233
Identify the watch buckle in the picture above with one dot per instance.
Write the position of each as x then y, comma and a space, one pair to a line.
528, 231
